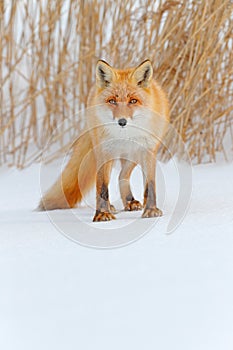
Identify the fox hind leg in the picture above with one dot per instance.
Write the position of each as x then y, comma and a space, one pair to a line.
127, 197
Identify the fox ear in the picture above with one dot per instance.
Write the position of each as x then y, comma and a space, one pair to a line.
143, 74
104, 73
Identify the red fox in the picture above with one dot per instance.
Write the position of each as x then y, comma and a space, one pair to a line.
127, 117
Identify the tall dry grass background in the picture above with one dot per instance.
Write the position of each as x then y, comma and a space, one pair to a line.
48, 52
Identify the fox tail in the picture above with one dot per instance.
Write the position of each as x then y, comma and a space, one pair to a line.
75, 181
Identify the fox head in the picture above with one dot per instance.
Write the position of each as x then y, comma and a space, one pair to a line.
127, 101
123, 92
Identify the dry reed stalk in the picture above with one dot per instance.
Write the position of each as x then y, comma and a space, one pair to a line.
48, 51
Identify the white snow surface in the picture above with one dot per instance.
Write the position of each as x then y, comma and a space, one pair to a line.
161, 292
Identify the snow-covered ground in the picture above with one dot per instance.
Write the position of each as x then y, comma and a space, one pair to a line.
163, 291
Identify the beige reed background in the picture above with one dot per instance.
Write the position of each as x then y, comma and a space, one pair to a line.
48, 52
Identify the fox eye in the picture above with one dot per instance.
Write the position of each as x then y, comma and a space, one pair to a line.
112, 101
133, 101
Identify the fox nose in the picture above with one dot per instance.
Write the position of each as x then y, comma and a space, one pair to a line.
122, 122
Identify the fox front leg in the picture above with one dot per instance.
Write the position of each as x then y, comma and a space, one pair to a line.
150, 207
103, 207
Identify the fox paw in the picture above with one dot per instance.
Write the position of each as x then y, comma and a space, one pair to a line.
152, 213
103, 216
133, 205
113, 209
